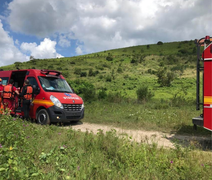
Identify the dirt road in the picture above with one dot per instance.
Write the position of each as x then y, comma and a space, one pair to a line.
162, 139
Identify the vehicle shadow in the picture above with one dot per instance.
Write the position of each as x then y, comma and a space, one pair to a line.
187, 136
66, 124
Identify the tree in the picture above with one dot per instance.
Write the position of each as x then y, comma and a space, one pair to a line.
31, 58
160, 43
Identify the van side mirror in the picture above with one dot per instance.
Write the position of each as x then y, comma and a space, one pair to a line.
36, 89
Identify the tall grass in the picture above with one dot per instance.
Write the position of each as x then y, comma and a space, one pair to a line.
31, 151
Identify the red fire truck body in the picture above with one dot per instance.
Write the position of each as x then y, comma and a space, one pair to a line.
54, 99
205, 119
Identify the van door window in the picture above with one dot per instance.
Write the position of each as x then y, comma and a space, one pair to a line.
32, 81
4, 80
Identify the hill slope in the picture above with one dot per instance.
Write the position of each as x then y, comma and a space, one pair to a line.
124, 70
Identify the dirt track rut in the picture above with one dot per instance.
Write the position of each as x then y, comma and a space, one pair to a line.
162, 139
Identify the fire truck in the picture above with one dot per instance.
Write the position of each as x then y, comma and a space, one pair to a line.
204, 90
54, 100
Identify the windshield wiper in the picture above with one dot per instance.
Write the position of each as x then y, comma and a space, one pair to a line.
66, 91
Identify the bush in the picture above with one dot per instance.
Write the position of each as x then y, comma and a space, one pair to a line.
72, 62
50, 67
83, 74
165, 78
77, 71
183, 51
85, 88
108, 78
133, 61
102, 94
160, 43
115, 97
92, 73
59, 68
143, 94
109, 57
65, 74
119, 70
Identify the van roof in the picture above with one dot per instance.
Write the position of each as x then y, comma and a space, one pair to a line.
36, 72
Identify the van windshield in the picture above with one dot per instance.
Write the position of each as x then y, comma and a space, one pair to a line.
52, 84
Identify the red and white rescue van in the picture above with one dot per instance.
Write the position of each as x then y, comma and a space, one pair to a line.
54, 100
204, 96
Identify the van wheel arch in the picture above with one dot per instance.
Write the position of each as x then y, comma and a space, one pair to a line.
42, 116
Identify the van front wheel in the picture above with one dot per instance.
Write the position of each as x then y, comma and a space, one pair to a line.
43, 117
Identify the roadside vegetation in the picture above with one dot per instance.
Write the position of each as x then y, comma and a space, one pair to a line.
32, 151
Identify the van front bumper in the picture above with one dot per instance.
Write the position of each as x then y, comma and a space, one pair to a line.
61, 115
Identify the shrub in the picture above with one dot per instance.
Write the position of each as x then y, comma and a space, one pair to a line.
17, 63
143, 94
59, 68
133, 61
172, 59
50, 67
119, 70
149, 71
160, 43
92, 73
183, 51
101, 76
165, 78
99, 67
83, 74
77, 71
108, 78
109, 57
65, 74
85, 88
102, 94
115, 97
72, 62
161, 64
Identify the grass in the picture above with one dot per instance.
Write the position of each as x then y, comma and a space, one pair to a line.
31, 151
152, 115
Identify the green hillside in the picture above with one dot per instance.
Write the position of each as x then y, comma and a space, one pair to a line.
134, 84
124, 70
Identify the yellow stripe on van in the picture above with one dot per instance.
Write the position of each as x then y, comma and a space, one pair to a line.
43, 102
207, 99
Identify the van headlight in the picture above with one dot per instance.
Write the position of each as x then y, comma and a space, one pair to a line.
56, 102
82, 106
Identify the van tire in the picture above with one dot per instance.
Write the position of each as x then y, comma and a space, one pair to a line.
43, 117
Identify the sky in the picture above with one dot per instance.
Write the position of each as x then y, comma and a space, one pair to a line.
65, 28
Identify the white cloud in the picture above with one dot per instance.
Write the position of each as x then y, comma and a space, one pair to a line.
64, 41
79, 51
9, 53
109, 24
46, 49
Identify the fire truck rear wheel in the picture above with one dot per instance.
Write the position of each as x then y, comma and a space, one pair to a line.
43, 117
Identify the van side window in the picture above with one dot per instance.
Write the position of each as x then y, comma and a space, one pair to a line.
4, 80
32, 81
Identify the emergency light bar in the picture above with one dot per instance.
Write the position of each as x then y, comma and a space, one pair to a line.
50, 72
203, 40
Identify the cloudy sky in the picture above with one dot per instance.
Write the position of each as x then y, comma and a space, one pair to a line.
64, 28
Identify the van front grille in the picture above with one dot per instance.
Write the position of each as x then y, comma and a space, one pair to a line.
72, 107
